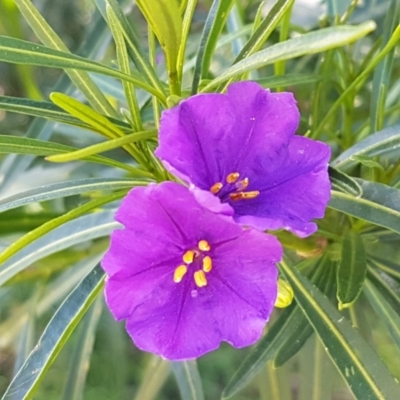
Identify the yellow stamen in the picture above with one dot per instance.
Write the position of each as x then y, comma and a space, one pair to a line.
207, 264
188, 257
232, 177
242, 185
244, 195
179, 273
200, 278
214, 189
204, 246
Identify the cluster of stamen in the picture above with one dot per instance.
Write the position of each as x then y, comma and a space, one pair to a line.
239, 187
189, 257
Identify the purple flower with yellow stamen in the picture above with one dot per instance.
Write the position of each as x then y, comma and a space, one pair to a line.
186, 278
241, 147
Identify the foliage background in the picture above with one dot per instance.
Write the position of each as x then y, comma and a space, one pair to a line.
345, 96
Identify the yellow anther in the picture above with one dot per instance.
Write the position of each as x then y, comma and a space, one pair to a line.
207, 264
232, 177
200, 278
214, 189
242, 185
204, 246
188, 257
244, 195
179, 273
285, 294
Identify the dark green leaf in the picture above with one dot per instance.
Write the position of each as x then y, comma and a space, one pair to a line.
367, 161
368, 378
379, 204
352, 270
384, 142
288, 80
344, 183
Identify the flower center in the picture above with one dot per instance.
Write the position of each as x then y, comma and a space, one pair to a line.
197, 258
233, 189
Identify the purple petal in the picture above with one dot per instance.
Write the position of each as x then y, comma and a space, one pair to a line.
294, 189
209, 136
181, 320
187, 322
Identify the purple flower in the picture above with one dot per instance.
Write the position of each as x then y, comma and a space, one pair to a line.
186, 278
241, 146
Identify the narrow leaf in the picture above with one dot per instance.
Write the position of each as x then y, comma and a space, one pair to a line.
309, 43
344, 183
188, 379
383, 142
379, 204
54, 337
352, 270
367, 377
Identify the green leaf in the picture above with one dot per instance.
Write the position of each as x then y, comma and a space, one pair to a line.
188, 379
154, 377
48, 226
82, 229
13, 144
135, 50
64, 189
381, 79
288, 80
386, 314
164, 18
103, 146
23, 52
263, 351
379, 204
384, 142
309, 43
49, 38
344, 183
368, 162
213, 26
264, 30
352, 270
389, 287
82, 352
367, 377
55, 336
293, 339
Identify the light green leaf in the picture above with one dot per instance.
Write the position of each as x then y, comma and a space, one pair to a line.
386, 314
154, 377
309, 43
74, 232
288, 80
23, 52
264, 30
384, 142
82, 352
164, 18
188, 379
213, 26
366, 375
344, 183
64, 189
49, 38
20, 145
368, 162
379, 204
54, 337
383, 71
352, 270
